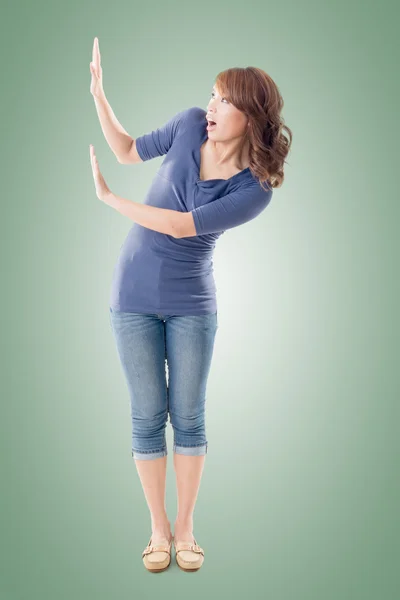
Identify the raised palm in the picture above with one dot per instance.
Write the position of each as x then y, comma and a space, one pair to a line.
96, 84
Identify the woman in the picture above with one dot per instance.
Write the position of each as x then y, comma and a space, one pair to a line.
219, 170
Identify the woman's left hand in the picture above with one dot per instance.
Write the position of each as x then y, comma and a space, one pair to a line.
102, 189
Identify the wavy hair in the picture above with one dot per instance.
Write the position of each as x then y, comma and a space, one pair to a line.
253, 91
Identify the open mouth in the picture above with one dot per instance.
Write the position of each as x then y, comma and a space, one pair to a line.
211, 125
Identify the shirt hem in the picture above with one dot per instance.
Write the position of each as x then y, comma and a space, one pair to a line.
151, 310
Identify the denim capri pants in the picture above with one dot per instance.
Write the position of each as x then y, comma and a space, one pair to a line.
166, 361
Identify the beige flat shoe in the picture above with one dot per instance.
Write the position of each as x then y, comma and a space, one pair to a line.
189, 556
157, 558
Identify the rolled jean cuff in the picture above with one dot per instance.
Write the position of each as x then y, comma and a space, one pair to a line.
191, 450
149, 455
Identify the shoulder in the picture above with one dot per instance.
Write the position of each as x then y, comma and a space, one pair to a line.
158, 141
190, 117
195, 113
199, 112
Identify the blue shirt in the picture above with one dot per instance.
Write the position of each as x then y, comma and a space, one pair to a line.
157, 273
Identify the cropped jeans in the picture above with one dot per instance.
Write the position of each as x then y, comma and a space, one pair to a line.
166, 361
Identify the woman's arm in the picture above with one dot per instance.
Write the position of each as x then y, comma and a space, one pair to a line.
162, 220
225, 212
117, 138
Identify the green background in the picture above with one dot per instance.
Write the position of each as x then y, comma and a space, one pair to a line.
299, 497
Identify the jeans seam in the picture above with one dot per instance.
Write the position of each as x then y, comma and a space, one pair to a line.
148, 451
191, 446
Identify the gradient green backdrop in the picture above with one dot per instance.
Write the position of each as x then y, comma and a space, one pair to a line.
299, 497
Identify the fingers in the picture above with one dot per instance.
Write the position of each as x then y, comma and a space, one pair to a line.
93, 158
96, 54
93, 70
95, 164
101, 187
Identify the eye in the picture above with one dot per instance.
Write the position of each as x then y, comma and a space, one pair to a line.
223, 98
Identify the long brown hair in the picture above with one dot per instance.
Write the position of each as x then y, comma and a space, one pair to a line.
254, 92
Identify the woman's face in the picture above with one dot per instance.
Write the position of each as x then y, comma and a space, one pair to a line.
231, 122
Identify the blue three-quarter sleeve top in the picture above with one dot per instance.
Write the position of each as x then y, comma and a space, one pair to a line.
157, 273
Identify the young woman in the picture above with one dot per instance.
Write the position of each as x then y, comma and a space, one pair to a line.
219, 170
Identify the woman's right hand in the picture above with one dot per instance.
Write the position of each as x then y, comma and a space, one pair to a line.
96, 84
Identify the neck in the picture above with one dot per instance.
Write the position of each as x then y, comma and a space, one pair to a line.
233, 153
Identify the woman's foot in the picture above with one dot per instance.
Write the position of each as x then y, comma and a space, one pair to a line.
189, 555
157, 554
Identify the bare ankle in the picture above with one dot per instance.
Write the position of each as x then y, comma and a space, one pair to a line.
184, 521
183, 526
161, 527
